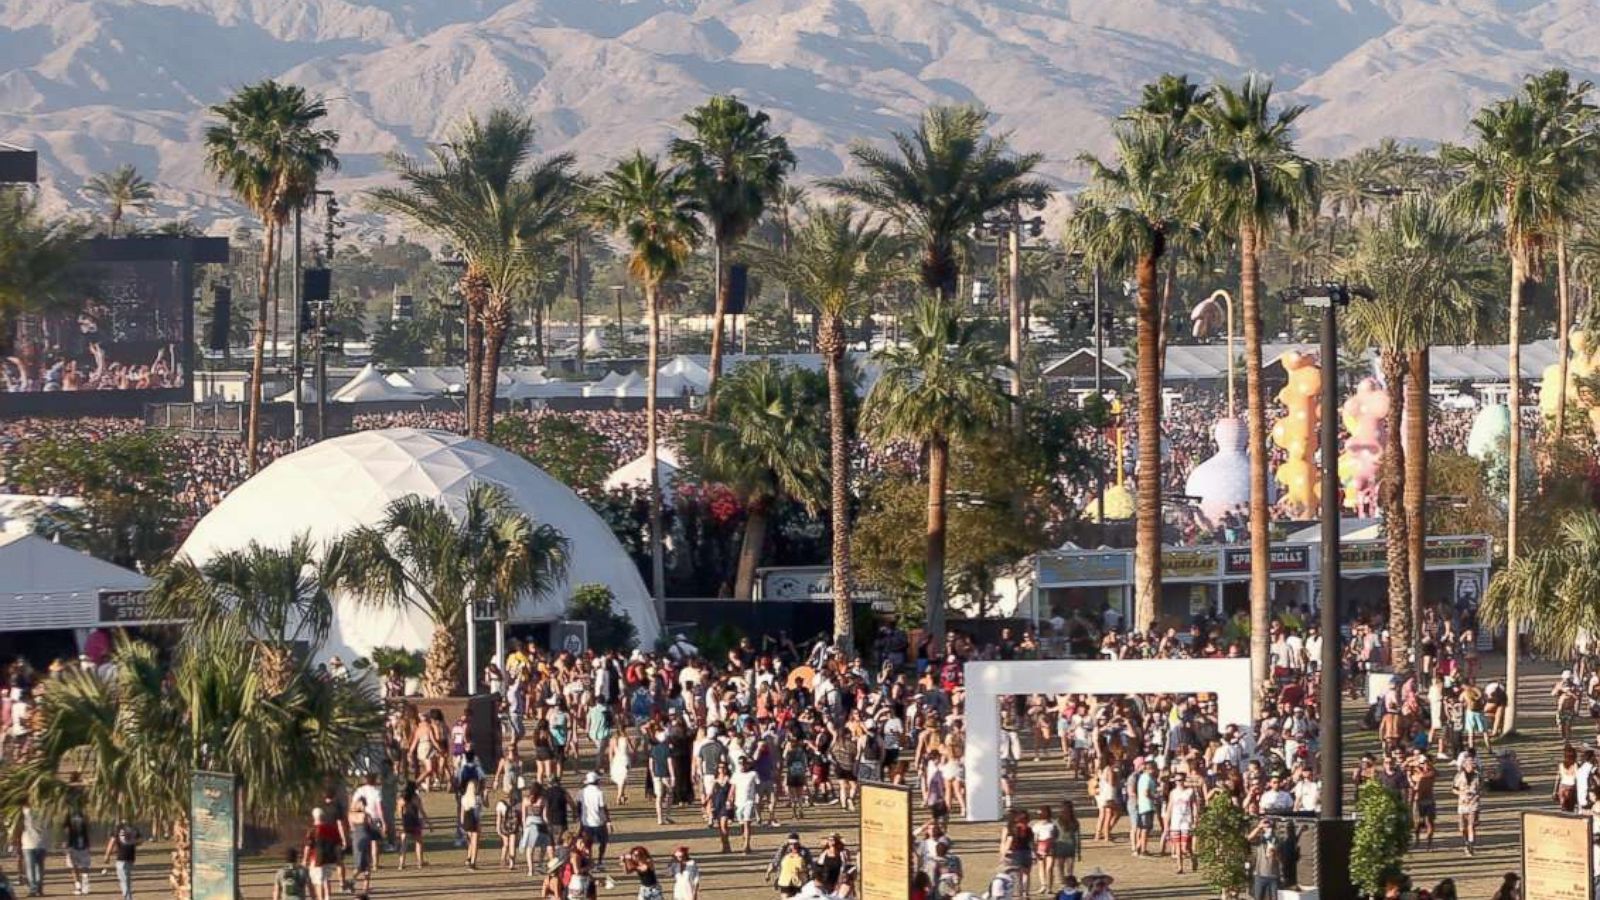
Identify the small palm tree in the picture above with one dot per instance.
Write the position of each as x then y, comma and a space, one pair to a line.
503, 211
939, 386
737, 166
266, 147
655, 210
1248, 180
277, 599
764, 442
424, 556
121, 189
1552, 588
1515, 174
38, 259
940, 182
1124, 221
1421, 264
835, 260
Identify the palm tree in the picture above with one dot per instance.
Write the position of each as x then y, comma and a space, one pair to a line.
1569, 117
835, 260
1421, 265
737, 166
937, 387
38, 259
763, 442
940, 182
1514, 174
1552, 588
143, 729
1123, 222
655, 209
502, 211
122, 189
424, 556
274, 598
266, 147
1249, 179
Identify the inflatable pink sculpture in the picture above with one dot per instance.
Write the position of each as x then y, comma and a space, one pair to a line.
1363, 417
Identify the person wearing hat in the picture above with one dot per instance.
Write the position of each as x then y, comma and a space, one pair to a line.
1097, 885
594, 816
791, 865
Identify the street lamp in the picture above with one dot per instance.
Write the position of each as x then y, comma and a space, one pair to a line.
1101, 320
1329, 297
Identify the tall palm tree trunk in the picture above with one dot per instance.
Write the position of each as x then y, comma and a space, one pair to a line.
1391, 501
755, 538
1563, 338
496, 324
1147, 540
719, 312
252, 440
938, 477
178, 875
577, 289
658, 578
1256, 428
1416, 490
472, 354
1519, 272
839, 487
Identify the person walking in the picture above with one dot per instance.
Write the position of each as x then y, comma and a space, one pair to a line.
322, 848
31, 844
413, 823
1468, 786
364, 837
637, 862
121, 849
594, 817
685, 873
75, 838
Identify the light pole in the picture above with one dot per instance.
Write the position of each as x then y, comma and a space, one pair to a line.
622, 336
1011, 224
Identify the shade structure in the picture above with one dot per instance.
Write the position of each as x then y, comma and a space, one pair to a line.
686, 369
369, 386
46, 585
431, 380
636, 473
331, 487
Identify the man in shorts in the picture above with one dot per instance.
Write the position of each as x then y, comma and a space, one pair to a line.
746, 796
709, 756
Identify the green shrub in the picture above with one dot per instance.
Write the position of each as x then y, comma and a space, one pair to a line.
595, 605
382, 659
1383, 835
1220, 844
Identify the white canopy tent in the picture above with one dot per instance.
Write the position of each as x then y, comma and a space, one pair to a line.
431, 380
369, 386
636, 473
308, 393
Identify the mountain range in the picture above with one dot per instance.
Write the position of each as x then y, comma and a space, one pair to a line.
92, 84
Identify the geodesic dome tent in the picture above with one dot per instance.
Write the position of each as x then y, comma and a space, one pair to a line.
331, 487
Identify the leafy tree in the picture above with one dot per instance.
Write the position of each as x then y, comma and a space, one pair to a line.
1220, 845
939, 183
401, 343
565, 448
38, 259
501, 210
764, 442
655, 209
1383, 834
936, 388
736, 166
264, 144
596, 606
1125, 220
1249, 179
1552, 587
835, 260
424, 556
126, 485
121, 189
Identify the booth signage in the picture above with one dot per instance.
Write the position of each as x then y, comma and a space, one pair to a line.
1082, 568
1363, 556
1557, 862
1286, 558
124, 607
885, 842
213, 825
1457, 552
567, 636
1188, 563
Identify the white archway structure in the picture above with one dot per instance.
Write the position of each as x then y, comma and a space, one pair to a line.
987, 683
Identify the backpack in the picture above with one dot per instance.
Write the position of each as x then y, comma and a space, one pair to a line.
292, 881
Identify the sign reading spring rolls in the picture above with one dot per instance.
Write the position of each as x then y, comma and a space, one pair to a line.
885, 842
1556, 859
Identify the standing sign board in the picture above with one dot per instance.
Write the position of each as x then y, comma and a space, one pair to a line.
569, 636
885, 842
213, 823
1556, 860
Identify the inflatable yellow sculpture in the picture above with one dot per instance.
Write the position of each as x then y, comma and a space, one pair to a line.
1296, 433
1583, 365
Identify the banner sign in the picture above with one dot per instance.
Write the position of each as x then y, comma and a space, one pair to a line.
569, 636
885, 842
1457, 552
124, 607
1283, 558
1556, 860
1060, 569
213, 825
1189, 563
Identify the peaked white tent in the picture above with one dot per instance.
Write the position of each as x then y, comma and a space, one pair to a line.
698, 376
431, 380
370, 387
592, 343
636, 473
44, 585
308, 393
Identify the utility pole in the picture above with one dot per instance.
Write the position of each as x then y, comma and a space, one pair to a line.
294, 363
576, 261
1100, 396
622, 336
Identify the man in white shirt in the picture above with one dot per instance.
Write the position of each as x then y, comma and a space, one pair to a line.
594, 817
1275, 800
372, 795
1307, 793
746, 788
